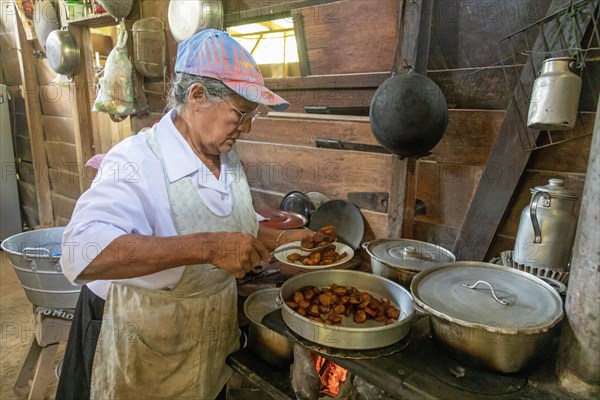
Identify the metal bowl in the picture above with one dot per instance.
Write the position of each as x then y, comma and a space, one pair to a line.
349, 335
62, 52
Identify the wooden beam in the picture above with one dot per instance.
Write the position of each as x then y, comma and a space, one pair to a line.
508, 159
30, 89
413, 37
85, 125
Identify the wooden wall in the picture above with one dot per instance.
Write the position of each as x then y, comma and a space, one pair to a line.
347, 49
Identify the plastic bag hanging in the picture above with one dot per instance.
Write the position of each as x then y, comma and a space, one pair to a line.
116, 91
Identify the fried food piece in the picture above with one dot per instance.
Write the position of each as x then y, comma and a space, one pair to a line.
291, 305
360, 317
392, 312
335, 319
304, 304
297, 297
325, 299
294, 257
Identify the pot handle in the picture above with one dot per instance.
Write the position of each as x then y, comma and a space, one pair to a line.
537, 233
503, 302
34, 252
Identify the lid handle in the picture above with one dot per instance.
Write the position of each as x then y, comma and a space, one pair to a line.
408, 250
504, 303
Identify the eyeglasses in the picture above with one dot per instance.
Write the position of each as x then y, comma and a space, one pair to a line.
247, 116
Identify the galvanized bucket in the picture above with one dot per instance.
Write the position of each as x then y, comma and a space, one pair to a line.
35, 255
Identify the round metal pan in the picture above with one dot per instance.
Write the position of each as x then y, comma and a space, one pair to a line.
188, 17
349, 335
345, 216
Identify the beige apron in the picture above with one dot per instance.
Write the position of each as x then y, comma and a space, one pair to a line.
173, 343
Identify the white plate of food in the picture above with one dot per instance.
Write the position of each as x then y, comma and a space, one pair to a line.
331, 256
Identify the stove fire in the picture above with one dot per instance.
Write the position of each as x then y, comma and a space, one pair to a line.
331, 374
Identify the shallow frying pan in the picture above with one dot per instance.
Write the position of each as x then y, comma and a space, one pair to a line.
188, 17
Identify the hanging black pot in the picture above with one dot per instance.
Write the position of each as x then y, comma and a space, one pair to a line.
408, 114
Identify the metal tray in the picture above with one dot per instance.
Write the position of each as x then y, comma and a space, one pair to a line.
349, 335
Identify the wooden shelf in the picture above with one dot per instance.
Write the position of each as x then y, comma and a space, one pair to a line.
95, 21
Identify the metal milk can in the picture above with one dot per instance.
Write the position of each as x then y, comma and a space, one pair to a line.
547, 228
555, 97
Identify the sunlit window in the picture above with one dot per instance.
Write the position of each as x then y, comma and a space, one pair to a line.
272, 44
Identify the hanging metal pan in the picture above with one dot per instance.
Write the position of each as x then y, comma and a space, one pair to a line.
188, 17
62, 52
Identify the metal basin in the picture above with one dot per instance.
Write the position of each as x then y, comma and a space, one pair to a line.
35, 257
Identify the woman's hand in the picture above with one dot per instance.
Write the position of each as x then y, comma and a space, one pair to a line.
237, 253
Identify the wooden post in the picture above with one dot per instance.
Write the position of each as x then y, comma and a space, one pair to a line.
414, 33
85, 125
30, 90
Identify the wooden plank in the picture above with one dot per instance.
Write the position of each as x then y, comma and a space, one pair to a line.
30, 216
32, 105
241, 12
56, 100
85, 127
23, 148
63, 206
492, 198
301, 42
62, 221
375, 225
367, 44
437, 234
27, 194
26, 171
461, 27
447, 190
62, 155
571, 156
65, 182
45, 73
468, 138
304, 131
331, 172
58, 129
20, 124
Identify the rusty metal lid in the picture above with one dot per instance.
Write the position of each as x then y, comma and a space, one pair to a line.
408, 254
279, 219
556, 188
488, 296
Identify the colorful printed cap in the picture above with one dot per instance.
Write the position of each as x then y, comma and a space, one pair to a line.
215, 54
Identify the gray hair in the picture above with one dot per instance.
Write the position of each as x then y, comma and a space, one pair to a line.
182, 83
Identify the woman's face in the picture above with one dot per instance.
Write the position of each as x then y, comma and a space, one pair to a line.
216, 127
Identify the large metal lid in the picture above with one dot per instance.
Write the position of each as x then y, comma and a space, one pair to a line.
408, 254
345, 216
556, 188
279, 219
260, 303
493, 297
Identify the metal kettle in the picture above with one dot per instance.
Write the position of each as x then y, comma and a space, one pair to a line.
547, 228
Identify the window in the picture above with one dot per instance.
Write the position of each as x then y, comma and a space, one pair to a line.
272, 44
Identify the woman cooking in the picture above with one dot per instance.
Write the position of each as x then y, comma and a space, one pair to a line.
161, 235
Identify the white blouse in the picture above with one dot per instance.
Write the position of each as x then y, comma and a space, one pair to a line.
129, 195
